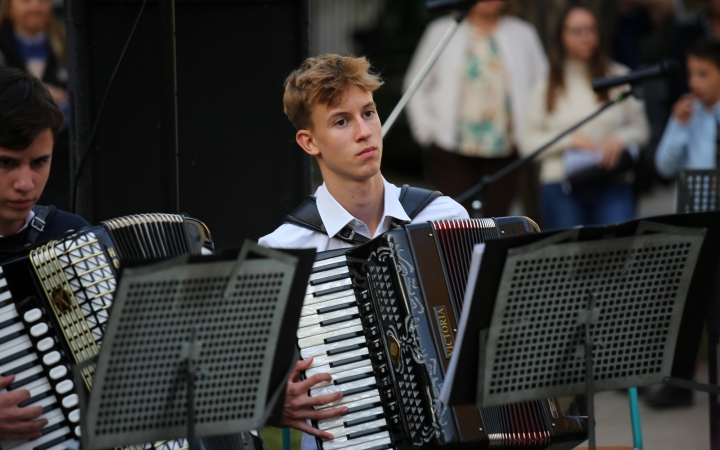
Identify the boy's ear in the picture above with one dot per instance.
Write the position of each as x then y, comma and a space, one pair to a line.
306, 141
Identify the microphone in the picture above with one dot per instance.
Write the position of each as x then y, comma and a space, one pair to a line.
662, 69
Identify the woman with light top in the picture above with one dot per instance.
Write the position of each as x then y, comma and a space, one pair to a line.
469, 110
605, 193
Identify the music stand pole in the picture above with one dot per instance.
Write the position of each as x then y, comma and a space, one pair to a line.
589, 376
390, 121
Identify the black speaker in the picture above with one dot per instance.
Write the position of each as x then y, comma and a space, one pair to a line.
192, 119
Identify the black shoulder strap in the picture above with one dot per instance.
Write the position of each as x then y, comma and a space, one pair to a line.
412, 199
43, 216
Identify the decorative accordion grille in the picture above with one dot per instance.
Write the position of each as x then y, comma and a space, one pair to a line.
79, 284
149, 236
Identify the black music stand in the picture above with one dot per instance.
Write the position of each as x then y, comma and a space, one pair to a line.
699, 191
574, 316
191, 348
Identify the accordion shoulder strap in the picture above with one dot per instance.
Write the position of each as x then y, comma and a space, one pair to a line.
412, 199
43, 216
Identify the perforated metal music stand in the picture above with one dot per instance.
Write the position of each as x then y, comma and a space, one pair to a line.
581, 317
211, 327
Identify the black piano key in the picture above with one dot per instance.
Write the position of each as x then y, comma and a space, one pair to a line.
54, 442
50, 428
14, 356
20, 383
329, 279
50, 407
7, 323
339, 307
343, 337
381, 447
5, 303
363, 420
35, 399
329, 267
349, 348
329, 322
364, 433
360, 390
11, 336
360, 376
363, 407
334, 290
19, 369
345, 362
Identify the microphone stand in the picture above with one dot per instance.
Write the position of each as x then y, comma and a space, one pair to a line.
423, 72
488, 180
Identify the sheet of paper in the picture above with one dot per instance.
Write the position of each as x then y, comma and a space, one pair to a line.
477, 255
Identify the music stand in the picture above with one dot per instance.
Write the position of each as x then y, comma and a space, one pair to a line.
574, 317
189, 349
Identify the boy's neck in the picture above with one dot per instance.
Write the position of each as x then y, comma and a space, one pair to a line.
364, 199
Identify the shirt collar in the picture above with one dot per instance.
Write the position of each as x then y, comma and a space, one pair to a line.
335, 217
27, 222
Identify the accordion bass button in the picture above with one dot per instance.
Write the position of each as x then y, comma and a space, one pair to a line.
39, 329
46, 344
70, 401
33, 315
58, 372
51, 358
64, 387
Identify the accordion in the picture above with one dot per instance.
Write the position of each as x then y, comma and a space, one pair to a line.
382, 319
54, 306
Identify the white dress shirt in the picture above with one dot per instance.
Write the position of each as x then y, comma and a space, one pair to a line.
335, 217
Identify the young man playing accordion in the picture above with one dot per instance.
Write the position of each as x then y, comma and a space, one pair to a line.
29, 122
329, 100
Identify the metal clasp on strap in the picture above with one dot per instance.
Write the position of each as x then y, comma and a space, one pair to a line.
349, 238
38, 224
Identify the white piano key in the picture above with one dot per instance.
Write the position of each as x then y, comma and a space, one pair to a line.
40, 388
47, 401
39, 329
348, 373
335, 422
14, 328
44, 439
310, 310
360, 443
321, 287
53, 417
312, 341
323, 360
64, 445
329, 273
371, 444
311, 331
342, 387
3, 282
327, 262
28, 373
334, 370
8, 312
309, 321
5, 296
19, 344
350, 399
311, 300
33, 315
344, 431
33, 386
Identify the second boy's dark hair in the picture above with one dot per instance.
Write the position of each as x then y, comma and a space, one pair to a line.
706, 49
26, 109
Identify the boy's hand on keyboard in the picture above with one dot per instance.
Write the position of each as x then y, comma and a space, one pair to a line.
18, 423
299, 405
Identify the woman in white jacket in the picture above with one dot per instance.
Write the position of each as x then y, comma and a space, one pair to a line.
470, 109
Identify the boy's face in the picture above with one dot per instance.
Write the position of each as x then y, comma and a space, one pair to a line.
346, 139
23, 174
704, 80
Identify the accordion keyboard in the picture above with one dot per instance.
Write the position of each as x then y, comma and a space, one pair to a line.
34, 358
340, 333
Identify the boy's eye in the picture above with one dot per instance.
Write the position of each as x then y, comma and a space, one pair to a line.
369, 113
341, 122
6, 163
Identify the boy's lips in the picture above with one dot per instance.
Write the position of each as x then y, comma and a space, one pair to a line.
368, 151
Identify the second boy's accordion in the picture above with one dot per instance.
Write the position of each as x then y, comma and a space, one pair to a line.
382, 319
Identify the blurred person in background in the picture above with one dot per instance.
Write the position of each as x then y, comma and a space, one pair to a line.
470, 109
560, 101
32, 40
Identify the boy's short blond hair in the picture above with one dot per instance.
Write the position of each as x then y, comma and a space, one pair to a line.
323, 80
